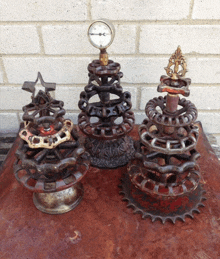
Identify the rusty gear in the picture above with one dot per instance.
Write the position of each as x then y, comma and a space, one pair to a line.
159, 209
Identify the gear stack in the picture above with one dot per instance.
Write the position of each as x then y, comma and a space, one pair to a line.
163, 181
51, 159
107, 121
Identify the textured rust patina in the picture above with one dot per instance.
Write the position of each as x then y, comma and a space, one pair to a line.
163, 180
107, 120
102, 227
107, 141
51, 158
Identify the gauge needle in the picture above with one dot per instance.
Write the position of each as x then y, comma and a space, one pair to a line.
100, 34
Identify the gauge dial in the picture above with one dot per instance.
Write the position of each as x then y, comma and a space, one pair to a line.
101, 34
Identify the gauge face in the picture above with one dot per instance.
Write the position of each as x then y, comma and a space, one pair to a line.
101, 34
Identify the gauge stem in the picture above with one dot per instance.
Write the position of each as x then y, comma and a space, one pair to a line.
103, 57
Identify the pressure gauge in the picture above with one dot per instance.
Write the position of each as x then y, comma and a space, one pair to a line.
101, 33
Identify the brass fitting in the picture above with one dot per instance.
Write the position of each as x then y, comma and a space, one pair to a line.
103, 57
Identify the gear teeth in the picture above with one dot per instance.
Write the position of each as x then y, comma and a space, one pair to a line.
137, 211
153, 219
196, 210
146, 215
140, 210
125, 199
173, 220
180, 218
190, 214
131, 205
163, 220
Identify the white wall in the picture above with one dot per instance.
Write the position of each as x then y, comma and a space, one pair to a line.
51, 37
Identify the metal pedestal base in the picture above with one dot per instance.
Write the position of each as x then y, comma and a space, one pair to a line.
59, 202
162, 209
110, 154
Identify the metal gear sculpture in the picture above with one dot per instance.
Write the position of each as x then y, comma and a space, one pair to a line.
107, 140
51, 159
163, 181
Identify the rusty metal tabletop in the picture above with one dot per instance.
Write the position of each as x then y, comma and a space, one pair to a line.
102, 226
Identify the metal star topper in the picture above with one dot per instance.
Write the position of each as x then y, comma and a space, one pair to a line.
30, 86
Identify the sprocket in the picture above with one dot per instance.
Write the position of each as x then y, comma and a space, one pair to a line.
164, 210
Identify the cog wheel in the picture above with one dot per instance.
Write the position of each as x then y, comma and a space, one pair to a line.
164, 210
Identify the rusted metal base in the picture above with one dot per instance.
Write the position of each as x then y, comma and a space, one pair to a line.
162, 209
59, 202
101, 226
110, 153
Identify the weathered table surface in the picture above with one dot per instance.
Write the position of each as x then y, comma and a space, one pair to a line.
101, 226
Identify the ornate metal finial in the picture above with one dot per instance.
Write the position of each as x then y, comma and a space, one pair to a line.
30, 86
176, 60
